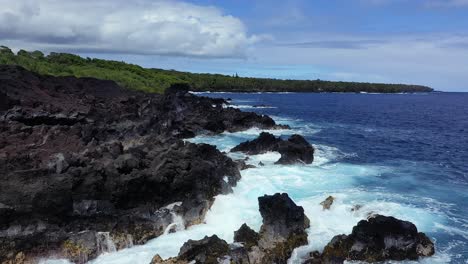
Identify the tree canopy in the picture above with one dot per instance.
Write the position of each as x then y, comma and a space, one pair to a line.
157, 80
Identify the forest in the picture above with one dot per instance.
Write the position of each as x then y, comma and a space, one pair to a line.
157, 80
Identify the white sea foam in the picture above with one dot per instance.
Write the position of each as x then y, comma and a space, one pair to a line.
307, 185
240, 106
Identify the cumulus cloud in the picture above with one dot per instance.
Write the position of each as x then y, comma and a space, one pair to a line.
161, 27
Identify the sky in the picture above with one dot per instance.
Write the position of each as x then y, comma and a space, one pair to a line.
392, 41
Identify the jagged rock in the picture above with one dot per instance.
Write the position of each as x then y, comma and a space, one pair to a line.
294, 150
158, 260
246, 236
314, 258
80, 247
377, 239
194, 210
207, 250
327, 203
263, 143
283, 228
238, 254
82, 154
125, 163
242, 165
261, 164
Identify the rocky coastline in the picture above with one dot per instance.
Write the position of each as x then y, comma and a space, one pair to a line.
88, 167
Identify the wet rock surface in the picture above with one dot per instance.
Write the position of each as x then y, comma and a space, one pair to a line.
263, 143
282, 231
327, 203
283, 228
209, 250
293, 150
246, 236
81, 154
377, 239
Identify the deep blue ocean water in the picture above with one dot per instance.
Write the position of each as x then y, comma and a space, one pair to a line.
421, 138
404, 155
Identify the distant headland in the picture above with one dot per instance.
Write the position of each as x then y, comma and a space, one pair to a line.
157, 80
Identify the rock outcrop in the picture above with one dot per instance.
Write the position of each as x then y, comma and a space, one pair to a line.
81, 154
377, 239
209, 250
327, 203
246, 236
282, 231
293, 150
265, 142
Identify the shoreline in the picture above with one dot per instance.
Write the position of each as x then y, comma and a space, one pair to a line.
362, 92
179, 116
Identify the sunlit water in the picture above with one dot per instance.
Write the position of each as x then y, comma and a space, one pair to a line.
398, 155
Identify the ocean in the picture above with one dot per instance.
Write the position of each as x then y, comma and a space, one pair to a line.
401, 155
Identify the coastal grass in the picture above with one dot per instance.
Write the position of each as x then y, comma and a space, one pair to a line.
157, 80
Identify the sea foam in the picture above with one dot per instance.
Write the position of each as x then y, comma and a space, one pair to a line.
308, 185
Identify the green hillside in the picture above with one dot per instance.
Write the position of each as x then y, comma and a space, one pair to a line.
157, 80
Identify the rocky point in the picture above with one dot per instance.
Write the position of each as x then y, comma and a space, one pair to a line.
82, 159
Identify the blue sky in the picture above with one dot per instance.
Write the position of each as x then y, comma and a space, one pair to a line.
397, 41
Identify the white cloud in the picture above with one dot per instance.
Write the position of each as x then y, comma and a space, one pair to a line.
162, 27
437, 60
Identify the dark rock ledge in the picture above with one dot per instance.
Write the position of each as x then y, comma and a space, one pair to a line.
88, 167
293, 150
377, 239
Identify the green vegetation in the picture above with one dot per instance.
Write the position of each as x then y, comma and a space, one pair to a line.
157, 80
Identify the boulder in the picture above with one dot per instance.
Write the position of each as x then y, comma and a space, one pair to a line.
207, 250
293, 150
246, 236
283, 228
242, 165
377, 239
263, 143
327, 203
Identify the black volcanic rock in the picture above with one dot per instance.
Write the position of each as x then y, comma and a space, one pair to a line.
178, 89
207, 251
82, 154
283, 228
377, 239
281, 217
246, 236
263, 143
294, 150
